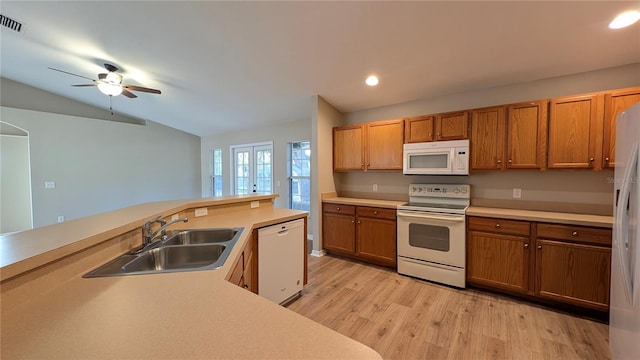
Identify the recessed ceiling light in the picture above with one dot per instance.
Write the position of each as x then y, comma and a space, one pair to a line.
625, 19
372, 80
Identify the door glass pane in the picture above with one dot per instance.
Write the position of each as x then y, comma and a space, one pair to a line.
263, 170
429, 237
242, 172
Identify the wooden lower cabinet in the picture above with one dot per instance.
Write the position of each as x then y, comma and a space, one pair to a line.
561, 263
245, 270
573, 273
360, 232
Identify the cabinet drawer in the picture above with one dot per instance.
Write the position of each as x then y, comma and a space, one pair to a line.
583, 234
500, 226
339, 208
378, 213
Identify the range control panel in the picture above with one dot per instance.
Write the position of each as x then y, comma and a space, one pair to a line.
462, 191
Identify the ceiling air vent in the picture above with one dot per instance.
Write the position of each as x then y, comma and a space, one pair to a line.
11, 24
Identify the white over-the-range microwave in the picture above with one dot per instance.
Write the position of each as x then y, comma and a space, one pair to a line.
436, 158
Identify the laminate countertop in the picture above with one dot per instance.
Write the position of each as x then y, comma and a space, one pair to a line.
186, 315
516, 214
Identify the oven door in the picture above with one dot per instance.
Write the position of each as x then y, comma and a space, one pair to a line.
433, 237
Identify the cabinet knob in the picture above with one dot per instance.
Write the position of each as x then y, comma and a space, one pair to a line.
606, 159
591, 159
246, 286
338, 208
539, 246
498, 226
352, 221
575, 233
510, 161
375, 212
359, 222
430, 134
361, 166
499, 161
368, 164
526, 246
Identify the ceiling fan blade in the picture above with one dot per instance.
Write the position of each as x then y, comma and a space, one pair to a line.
66, 72
81, 85
128, 94
140, 88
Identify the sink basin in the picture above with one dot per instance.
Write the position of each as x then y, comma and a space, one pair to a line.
175, 257
183, 250
200, 236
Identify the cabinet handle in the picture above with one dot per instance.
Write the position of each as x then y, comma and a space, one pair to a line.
359, 222
526, 246
510, 161
352, 221
606, 159
430, 134
499, 161
575, 233
375, 212
498, 226
338, 208
246, 286
539, 246
368, 164
591, 159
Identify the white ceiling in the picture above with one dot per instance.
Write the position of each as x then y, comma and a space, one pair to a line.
225, 66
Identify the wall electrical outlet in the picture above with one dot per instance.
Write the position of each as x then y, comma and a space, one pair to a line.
375, 187
201, 212
174, 217
255, 204
60, 218
49, 184
517, 193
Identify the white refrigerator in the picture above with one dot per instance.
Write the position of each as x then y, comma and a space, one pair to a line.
624, 316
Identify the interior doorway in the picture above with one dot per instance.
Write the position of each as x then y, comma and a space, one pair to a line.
16, 213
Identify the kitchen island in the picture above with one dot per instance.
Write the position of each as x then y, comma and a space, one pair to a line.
50, 311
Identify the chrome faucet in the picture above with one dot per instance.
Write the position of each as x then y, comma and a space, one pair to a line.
148, 236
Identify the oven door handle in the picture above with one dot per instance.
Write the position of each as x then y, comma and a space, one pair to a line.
456, 218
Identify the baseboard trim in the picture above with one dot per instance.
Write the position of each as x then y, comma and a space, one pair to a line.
318, 253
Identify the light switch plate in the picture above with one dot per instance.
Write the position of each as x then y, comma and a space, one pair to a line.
201, 212
174, 217
60, 218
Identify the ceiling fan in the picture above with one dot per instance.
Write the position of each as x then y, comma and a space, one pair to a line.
110, 83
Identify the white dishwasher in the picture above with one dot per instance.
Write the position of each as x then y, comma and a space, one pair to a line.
281, 261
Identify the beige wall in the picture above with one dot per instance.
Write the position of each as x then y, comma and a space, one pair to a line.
280, 134
583, 188
324, 118
15, 184
104, 165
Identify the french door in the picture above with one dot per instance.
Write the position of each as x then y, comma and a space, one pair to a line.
252, 169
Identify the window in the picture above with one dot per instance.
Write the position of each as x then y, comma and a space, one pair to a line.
300, 175
216, 173
252, 165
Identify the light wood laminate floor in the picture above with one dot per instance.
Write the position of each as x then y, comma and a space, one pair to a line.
405, 318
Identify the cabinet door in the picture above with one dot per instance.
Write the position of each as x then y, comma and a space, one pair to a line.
614, 103
384, 145
348, 148
488, 132
418, 129
250, 264
575, 127
376, 240
338, 233
527, 135
497, 260
452, 126
573, 273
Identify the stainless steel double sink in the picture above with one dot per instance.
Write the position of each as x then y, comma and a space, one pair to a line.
180, 250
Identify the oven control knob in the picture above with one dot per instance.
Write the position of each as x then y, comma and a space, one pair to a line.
456, 190
464, 191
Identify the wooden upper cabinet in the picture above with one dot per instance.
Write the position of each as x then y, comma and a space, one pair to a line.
614, 103
418, 129
488, 133
384, 145
348, 148
527, 135
452, 126
575, 128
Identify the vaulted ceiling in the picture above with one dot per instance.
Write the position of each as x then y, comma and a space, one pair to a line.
227, 66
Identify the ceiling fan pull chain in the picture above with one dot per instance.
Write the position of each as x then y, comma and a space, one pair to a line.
111, 104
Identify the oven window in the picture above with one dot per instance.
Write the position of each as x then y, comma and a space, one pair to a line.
429, 161
429, 237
